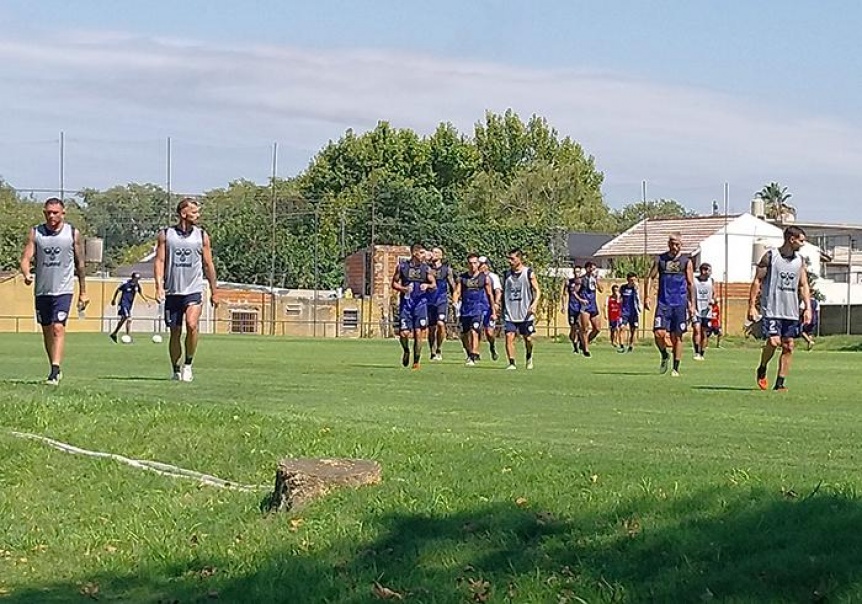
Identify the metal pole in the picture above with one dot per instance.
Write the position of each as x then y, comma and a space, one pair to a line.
725, 297
272, 246
646, 256
849, 273
316, 267
168, 176
62, 164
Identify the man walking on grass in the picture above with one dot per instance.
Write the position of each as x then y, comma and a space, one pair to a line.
521, 295
414, 281
183, 255
675, 300
781, 281
57, 250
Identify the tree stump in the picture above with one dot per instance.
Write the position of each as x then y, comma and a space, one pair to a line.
298, 481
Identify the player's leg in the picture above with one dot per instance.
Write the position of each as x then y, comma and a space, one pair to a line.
697, 338
174, 314
773, 341
527, 330
585, 331
491, 335
432, 332
121, 319
595, 325
420, 332
405, 330
787, 345
511, 332
574, 337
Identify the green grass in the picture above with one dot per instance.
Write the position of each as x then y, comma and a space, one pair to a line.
585, 480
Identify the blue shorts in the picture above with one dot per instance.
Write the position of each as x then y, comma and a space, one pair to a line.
671, 318
487, 322
124, 310
574, 316
615, 324
786, 329
51, 310
809, 328
471, 323
524, 328
412, 318
630, 320
437, 313
592, 309
175, 308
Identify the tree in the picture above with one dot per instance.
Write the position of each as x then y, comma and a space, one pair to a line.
775, 199
633, 213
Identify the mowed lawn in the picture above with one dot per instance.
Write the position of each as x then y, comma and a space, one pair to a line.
584, 480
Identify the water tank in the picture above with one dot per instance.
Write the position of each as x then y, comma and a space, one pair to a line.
93, 248
758, 249
758, 208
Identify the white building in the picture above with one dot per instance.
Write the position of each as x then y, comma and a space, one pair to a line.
736, 242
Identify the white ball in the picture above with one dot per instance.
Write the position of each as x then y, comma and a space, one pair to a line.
126, 339
157, 339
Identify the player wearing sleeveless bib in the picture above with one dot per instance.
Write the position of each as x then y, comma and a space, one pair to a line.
183, 257
521, 295
614, 311
488, 323
704, 294
590, 318
438, 303
675, 300
631, 307
572, 307
474, 296
414, 281
57, 251
781, 282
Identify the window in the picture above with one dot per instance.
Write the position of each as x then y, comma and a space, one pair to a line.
293, 310
350, 318
243, 321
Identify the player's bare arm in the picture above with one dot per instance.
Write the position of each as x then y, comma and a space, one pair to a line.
653, 273
209, 269
756, 283
159, 266
81, 270
692, 294
805, 294
537, 293
27, 257
489, 293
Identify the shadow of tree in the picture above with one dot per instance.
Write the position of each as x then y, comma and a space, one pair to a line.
735, 544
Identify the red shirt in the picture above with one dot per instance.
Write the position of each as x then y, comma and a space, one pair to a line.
615, 309
715, 315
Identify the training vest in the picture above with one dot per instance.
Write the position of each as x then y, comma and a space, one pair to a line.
518, 295
779, 295
672, 281
184, 273
55, 260
704, 292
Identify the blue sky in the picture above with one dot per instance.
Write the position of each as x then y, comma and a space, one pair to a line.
685, 95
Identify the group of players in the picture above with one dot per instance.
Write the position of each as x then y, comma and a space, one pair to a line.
479, 296
424, 283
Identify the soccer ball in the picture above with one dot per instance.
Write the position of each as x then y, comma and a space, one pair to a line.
157, 339
126, 339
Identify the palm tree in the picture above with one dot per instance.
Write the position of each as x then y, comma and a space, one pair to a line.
775, 202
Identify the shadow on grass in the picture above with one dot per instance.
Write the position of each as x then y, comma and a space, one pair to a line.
134, 378
24, 382
726, 544
720, 387
603, 372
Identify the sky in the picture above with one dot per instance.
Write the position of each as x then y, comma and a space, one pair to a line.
685, 95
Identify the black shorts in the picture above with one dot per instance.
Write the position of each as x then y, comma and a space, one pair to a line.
175, 308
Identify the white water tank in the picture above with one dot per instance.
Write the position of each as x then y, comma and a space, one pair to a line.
758, 208
93, 249
758, 249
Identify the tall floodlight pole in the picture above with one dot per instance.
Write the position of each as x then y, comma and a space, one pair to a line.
646, 249
725, 297
272, 246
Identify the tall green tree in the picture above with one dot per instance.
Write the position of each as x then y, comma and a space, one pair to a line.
633, 213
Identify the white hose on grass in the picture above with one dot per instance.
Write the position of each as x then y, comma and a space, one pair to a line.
160, 468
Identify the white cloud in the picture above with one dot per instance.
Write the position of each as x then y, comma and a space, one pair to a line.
686, 141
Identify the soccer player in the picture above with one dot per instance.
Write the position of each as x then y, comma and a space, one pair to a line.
474, 292
572, 307
521, 295
183, 257
614, 311
590, 318
781, 281
413, 280
715, 322
631, 307
490, 324
438, 303
810, 328
704, 296
127, 292
57, 250
675, 276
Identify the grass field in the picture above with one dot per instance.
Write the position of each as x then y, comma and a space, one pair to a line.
582, 481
